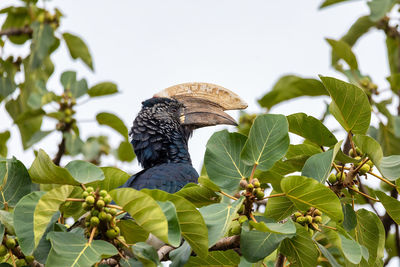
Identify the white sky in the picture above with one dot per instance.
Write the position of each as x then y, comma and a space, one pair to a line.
245, 46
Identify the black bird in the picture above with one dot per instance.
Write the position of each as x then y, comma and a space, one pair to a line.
161, 131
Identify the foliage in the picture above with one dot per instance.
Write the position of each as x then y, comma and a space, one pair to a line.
260, 195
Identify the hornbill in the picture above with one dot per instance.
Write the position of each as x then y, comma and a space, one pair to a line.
161, 131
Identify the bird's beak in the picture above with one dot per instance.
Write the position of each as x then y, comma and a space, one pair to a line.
204, 103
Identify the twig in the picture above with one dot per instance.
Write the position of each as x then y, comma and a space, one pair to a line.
329, 227
275, 195
16, 31
350, 135
335, 166
381, 178
123, 242
363, 194
227, 195
114, 206
252, 172
227, 243
362, 164
83, 187
75, 199
60, 152
92, 234
253, 218
12, 257
280, 260
164, 251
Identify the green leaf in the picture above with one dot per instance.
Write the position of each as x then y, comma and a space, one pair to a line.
359, 28
226, 258
279, 208
73, 144
17, 17
379, 8
48, 204
192, 225
289, 87
390, 167
4, 136
393, 51
222, 160
328, 255
144, 209
84, 172
300, 250
371, 234
72, 250
145, 253
6, 218
132, 232
256, 245
198, 195
268, 141
125, 151
306, 192
319, 166
42, 40
350, 249
102, 89
350, 219
206, 182
370, 147
69, 82
287, 228
44, 171
342, 50
350, 105
180, 255
218, 218
327, 3
15, 182
37, 137
113, 178
389, 142
78, 49
392, 205
174, 231
114, 122
23, 221
311, 129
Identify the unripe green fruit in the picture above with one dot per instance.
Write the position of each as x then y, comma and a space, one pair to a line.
308, 219
300, 219
69, 94
364, 169
256, 183
29, 259
359, 152
117, 230
241, 209
357, 163
311, 231
317, 219
85, 206
68, 112
111, 233
89, 200
112, 211
260, 195
94, 221
340, 176
85, 194
235, 230
332, 178
100, 204
298, 214
250, 187
242, 219
87, 218
107, 199
10, 243
68, 119
103, 193
243, 183
109, 217
370, 163
317, 212
352, 153
20, 263
103, 216
3, 250
89, 189
94, 212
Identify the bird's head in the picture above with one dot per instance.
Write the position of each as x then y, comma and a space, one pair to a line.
164, 124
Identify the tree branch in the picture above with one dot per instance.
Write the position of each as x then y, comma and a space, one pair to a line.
17, 31
60, 152
163, 252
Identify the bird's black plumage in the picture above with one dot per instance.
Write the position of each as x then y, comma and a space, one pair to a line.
160, 142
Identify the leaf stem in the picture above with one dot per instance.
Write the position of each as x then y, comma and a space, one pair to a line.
123, 243
275, 195
12, 257
382, 179
350, 135
92, 234
253, 218
336, 167
252, 172
83, 187
329, 227
363, 194
114, 206
75, 199
227, 195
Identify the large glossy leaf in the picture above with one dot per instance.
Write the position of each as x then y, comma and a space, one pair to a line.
319, 166
73, 143
342, 50
222, 160
300, 249
311, 129
48, 204
102, 89
125, 151
44, 171
23, 221
146, 254
350, 105
42, 39
43, 248
74, 250
350, 219
268, 141
226, 258
144, 209
14, 182
114, 178
350, 249
392, 205
256, 245
279, 208
6, 218
379, 8
369, 146
287, 228
328, 255
193, 227
114, 122
306, 192
198, 195
4, 136
289, 87
387, 139
218, 218
84, 172
370, 233
390, 167
180, 255
69, 82
132, 232
174, 231
78, 49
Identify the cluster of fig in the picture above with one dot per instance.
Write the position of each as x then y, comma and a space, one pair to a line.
11, 244
368, 86
100, 216
253, 188
236, 227
67, 102
309, 219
